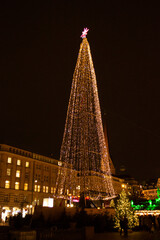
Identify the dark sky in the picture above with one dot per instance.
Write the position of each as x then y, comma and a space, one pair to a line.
39, 48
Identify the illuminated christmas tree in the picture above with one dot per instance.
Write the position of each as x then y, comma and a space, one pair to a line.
84, 155
123, 209
106, 140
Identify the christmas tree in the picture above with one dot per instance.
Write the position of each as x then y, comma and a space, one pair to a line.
123, 209
84, 155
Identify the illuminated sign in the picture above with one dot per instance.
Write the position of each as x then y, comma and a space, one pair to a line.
48, 202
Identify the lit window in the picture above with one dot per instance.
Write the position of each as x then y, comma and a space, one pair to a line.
27, 164
8, 171
18, 173
16, 185
74, 193
35, 188
46, 189
39, 188
9, 160
18, 162
7, 184
54, 190
51, 189
59, 163
26, 186
67, 191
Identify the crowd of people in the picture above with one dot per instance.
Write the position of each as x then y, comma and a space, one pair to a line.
149, 223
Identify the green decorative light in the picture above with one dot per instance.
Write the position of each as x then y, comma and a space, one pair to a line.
132, 204
148, 205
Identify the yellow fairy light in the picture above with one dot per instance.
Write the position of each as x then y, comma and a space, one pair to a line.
84, 155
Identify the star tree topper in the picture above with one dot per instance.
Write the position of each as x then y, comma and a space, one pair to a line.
84, 33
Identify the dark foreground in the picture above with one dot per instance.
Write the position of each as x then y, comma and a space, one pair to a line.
131, 236
78, 235
107, 236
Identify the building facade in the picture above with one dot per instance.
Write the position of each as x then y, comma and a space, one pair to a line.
27, 179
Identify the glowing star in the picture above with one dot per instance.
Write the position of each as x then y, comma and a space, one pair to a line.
84, 33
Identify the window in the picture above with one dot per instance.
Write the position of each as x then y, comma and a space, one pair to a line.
8, 171
18, 173
26, 186
27, 164
46, 178
38, 166
39, 188
51, 189
35, 188
16, 185
16, 198
18, 162
26, 174
9, 160
45, 189
7, 184
6, 198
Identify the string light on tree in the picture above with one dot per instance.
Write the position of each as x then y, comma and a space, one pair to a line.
123, 209
84, 155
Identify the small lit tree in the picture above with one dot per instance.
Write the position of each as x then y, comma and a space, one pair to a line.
112, 204
123, 208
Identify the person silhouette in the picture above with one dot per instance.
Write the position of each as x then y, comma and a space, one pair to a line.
121, 225
125, 222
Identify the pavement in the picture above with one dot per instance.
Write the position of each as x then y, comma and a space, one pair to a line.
131, 236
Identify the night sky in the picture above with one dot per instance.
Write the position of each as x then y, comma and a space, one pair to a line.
39, 48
